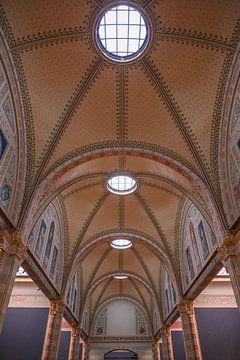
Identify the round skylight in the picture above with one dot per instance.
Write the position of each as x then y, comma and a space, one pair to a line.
122, 32
121, 244
121, 184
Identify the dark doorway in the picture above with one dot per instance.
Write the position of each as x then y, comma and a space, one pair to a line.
120, 355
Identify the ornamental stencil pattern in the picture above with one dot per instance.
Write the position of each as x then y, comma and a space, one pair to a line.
45, 241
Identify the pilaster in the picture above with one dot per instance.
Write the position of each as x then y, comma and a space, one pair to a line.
74, 348
190, 332
53, 330
166, 343
156, 347
84, 349
12, 253
229, 253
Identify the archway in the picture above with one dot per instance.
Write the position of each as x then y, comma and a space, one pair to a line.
120, 355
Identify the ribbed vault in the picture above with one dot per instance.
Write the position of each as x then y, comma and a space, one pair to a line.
157, 118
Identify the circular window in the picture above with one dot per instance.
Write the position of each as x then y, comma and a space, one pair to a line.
121, 244
121, 184
122, 33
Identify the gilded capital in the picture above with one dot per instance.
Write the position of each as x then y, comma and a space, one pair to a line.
165, 330
56, 307
76, 331
230, 245
11, 243
186, 307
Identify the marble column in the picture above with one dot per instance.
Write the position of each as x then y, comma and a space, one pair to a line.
190, 332
156, 346
12, 253
230, 256
84, 349
53, 330
74, 348
166, 343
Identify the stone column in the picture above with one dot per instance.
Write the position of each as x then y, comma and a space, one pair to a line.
12, 253
74, 349
53, 330
166, 343
190, 332
230, 255
84, 349
156, 346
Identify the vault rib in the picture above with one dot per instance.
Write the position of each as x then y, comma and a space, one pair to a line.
69, 110
157, 226
48, 38
92, 276
193, 38
174, 111
80, 236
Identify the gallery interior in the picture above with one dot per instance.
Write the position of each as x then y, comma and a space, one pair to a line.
119, 179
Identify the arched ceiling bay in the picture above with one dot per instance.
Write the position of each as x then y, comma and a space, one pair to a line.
87, 117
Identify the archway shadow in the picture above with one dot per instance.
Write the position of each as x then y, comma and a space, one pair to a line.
120, 355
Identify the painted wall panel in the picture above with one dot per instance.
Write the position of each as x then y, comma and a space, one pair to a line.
23, 334
178, 345
219, 330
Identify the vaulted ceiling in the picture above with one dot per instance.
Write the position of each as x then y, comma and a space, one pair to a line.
88, 117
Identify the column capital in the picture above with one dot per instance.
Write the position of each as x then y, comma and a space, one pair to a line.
230, 245
165, 330
76, 331
186, 307
12, 244
57, 306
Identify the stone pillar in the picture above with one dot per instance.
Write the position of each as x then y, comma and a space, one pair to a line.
230, 256
166, 343
12, 253
84, 349
190, 332
53, 330
156, 346
74, 349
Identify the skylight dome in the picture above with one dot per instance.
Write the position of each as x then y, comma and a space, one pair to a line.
121, 184
122, 33
121, 244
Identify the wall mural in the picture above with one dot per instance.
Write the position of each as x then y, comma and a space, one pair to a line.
85, 322
229, 146
198, 243
169, 293
8, 146
156, 316
73, 295
44, 242
234, 151
132, 308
